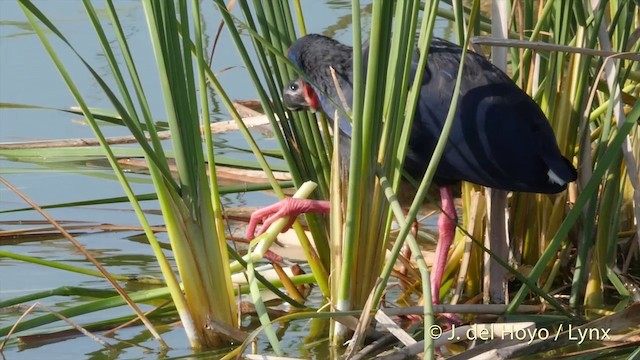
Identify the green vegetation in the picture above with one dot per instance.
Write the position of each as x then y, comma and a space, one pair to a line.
576, 253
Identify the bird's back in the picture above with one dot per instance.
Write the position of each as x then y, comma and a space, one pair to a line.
500, 138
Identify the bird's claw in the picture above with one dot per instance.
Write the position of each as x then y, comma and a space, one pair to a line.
291, 207
268, 215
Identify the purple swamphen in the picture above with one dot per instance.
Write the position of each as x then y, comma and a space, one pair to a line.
500, 138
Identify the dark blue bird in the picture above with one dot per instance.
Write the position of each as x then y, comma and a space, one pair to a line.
500, 137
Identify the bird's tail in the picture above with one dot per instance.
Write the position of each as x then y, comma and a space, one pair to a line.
562, 172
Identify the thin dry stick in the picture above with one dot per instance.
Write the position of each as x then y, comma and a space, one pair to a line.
89, 257
218, 127
535, 45
84, 228
59, 316
230, 6
133, 321
495, 287
339, 90
16, 325
388, 324
80, 142
497, 309
499, 330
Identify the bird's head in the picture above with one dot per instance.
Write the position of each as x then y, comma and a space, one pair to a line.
327, 65
298, 95
305, 53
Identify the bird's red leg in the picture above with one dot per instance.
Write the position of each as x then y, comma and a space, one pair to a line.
446, 231
290, 207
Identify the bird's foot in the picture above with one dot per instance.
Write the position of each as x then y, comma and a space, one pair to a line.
289, 207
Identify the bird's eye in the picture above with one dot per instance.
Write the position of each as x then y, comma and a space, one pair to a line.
293, 86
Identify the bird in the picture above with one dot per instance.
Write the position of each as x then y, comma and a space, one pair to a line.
500, 138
